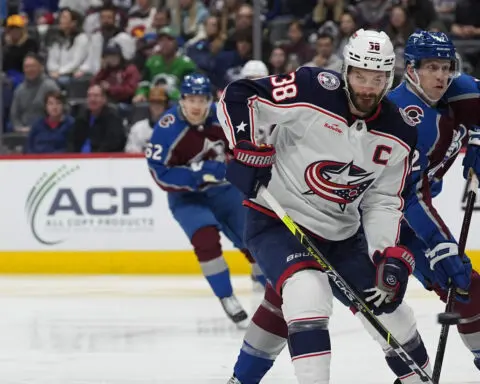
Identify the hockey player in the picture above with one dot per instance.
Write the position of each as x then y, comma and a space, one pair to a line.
432, 81
338, 146
430, 72
186, 156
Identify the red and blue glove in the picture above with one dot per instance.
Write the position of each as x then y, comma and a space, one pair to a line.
472, 157
394, 266
251, 167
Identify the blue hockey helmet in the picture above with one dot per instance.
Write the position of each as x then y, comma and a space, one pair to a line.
428, 45
422, 45
196, 84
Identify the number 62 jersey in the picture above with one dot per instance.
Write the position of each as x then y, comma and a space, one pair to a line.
329, 163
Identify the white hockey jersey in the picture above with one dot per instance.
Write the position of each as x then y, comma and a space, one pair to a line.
332, 170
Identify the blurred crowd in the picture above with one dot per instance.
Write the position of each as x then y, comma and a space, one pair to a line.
94, 75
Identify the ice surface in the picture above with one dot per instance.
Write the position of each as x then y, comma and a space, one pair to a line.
152, 330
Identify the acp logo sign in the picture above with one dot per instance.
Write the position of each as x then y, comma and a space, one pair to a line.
56, 211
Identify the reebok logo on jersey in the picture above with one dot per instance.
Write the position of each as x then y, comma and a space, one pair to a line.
334, 127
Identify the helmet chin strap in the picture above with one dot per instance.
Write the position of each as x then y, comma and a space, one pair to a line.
418, 88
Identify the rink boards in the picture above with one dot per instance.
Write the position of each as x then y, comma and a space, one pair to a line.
98, 214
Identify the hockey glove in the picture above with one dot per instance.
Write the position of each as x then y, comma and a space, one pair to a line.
251, 167
394, 265
449, 268
472, 157
208, 171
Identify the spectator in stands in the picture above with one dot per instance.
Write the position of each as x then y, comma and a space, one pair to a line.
68, 52
400, 26
348, 25
166, 61
325, 57
50, 134
298, 49
373, 14
163, 18
141, 131
29, 98
228, 64
204, 47
467, 20
228, 11
99, 128
93, 19
300, 9
187, 16
16, 45
141, 16
278, 61
444, 7
243, 25
399, 29
144, 49
78, 6
325, 11
421, 12
109, 33
118, 78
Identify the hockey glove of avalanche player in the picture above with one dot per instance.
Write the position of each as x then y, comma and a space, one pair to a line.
394, 266
209, 171
251, 167
449, 268
472, 157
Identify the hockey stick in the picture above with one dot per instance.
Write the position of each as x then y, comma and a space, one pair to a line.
449, 317
342, 285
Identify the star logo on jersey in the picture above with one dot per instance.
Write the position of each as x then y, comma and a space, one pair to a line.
413, 113
341, 183
241, 127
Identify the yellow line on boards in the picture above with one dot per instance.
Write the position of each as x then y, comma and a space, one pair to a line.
123, 262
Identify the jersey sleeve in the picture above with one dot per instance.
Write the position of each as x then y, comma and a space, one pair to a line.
382, 206
158, 152
247, 105
419, 212
463, 97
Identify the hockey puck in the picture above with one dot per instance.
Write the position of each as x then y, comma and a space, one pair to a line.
449, 318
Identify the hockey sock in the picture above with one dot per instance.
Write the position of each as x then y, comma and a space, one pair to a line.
309, 345
307, 305
206, 244
417, 351
264, 340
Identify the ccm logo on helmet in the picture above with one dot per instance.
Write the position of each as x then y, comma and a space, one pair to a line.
375, 59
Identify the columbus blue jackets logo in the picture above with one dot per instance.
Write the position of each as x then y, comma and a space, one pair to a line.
328, 80
414, 113
341, 183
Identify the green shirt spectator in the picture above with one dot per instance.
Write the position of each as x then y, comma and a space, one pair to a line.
167, 62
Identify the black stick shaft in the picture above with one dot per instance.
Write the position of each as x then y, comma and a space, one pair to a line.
442, 341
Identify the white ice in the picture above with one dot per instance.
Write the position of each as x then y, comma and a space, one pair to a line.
152, 330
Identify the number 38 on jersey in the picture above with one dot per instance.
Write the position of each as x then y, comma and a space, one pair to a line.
284, 87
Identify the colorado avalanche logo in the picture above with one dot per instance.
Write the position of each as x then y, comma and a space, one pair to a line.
414, 113
340, 183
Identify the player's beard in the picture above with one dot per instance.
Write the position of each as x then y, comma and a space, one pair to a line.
365, 102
